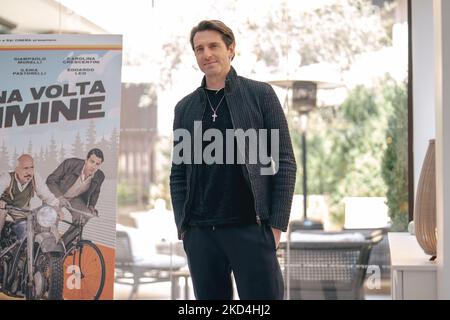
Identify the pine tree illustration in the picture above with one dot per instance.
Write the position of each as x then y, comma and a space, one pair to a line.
4, 157
30, 148
52, 157
62, 153
77, 147
14, 158
91, 137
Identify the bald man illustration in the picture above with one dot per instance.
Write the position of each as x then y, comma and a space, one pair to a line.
19, 186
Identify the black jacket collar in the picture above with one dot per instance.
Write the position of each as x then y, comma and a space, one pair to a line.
230, 81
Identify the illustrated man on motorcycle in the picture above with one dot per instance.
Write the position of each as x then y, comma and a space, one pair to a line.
19, 186
30, 251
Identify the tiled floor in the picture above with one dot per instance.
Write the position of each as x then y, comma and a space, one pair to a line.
153, 291
5, 297
161, 291
383, 293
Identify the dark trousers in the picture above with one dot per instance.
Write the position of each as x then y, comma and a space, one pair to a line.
247, 251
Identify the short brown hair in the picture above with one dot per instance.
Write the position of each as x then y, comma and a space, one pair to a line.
225, 32
96, 152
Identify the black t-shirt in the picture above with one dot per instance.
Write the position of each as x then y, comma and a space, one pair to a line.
221, 194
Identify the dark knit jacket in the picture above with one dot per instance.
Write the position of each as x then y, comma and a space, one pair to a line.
252, 104
67, 173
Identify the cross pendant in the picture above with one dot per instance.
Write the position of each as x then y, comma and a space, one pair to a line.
214, 117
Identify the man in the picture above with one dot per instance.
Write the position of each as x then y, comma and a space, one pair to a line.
77, 182
230, 216
19, 186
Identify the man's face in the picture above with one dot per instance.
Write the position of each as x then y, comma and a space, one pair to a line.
92, 164
25, 170
212, 54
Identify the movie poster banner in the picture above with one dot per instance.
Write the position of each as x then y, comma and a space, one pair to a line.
59, 135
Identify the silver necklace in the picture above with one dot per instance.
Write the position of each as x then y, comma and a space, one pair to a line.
214, 115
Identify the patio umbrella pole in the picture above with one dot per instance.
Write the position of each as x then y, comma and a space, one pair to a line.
305, 177
288, 266
306, 224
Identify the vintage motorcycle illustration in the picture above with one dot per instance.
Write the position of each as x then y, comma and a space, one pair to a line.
31, 255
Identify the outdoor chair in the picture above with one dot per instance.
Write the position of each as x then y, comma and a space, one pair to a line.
380, 256
142, 268
323, 265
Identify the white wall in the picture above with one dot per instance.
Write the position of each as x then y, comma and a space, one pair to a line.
442, 100
431, 99
423, 81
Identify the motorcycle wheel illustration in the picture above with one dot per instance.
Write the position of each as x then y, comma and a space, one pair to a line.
48, 278
31, 255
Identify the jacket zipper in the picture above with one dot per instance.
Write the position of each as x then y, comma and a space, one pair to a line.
190, 173
258, 218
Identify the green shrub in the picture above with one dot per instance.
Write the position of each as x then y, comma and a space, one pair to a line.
127, 194
395, 160
348, 155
